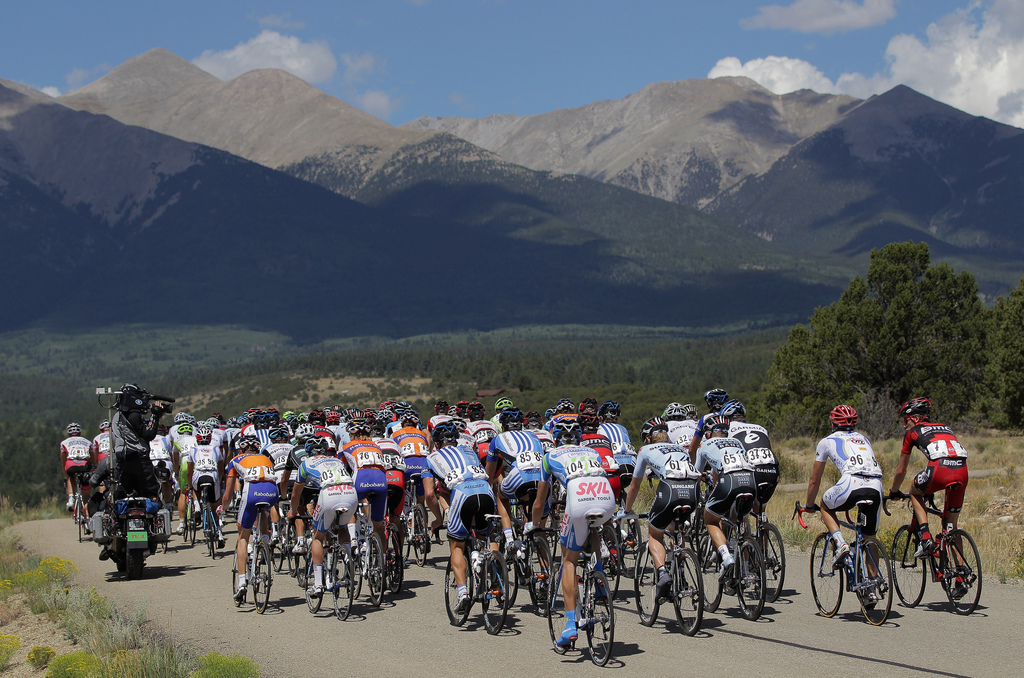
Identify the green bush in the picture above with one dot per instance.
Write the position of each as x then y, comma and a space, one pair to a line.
9, 644
215, 665
40, 655
73, 665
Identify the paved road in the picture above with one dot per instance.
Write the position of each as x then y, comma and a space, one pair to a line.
187, 594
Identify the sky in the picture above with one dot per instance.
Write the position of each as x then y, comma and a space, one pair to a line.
402, 59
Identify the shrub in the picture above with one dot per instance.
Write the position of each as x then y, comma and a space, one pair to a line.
40, 655
73, 665
215, 665
9, 644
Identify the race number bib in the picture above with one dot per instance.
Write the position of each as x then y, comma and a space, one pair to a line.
369, 457
529, 460
580, 467
484, 435
937, 449
413, 450
761, 455
734, 461
206, 464
394, 461
78, 451
679, 469
335, 474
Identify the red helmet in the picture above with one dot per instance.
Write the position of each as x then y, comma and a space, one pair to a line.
843, 416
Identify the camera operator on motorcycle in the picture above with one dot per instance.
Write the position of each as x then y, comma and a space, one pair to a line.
131, 434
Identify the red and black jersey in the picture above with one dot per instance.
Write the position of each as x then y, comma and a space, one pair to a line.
935, 440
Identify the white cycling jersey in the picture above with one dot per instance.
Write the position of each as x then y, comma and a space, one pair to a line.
851, 452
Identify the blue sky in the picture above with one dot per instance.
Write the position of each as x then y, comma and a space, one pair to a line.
400, 59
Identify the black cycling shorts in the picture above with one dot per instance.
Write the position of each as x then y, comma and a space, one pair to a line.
767, 477
473, 513
726, 494
869, 511
669, 495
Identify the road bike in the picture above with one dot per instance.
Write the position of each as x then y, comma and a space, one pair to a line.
369, 557
747, 580
866, 570
594, 612
955, 563
529, 564
487, 581
78, 513
340, 574
417, 534
394, 562
683, 565
209, 523
769, 539
259, 575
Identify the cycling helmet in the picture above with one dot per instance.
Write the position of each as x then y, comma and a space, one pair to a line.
304, 431
212, 422
588, 422
248, 442
361, 425
548, 413
74, 429
733, 409
476, 411
565, 406
317, 445
588, 405
279, 432
446, 433
273, 416
511, 418
441, 407
410, 418
568, 430
715, 398
161, 430
379, 426
502, 403
532, 419
609, 410
843, 416
916, 407
690, 411
186, 429
674, 412
332, 417
180, 417
716, 423
242, 420
204, 434
652, 426
317, 418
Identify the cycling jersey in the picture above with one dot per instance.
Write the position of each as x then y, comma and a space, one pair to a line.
547, 440
615, 433
451, 466
159, 449
851, 452
947, 463
370, 477
340, 434
587, 491
263, 434
724, 455
759, 452
458, 472
251, 468
524, 455
482, 432
77, 449
667, 461
681, 432
362, 454
278, 453
437, 419
322, 471
411, 441
101, 445
935, 440
603, 447
206, 460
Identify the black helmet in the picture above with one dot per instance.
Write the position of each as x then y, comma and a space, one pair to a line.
715, 398
733, 409
446, 433
916, 406
716, 423
512, 417
567, 428
317, 445
652, 426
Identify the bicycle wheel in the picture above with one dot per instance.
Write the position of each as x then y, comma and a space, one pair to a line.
210, 530
495, 598
375, 569
79, 518
540, 574
876, 596
632, 544
555, 611
262, 577
687, 591
234, 580
645, 580
961, 576
451, 597
909, 573
304, 569
710, 566
418, 537
313, 602
774, 551
600, 618
343, 582
394, 563
613, 562
190, 523
282, 551
750, 579
826, 583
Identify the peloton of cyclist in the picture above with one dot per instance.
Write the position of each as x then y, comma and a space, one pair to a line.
946, 469
860, 478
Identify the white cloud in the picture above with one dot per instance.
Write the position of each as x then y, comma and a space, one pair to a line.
778, 74
80, 76
378, 103
972, 59
359, 66
51, 91
311, 61
457, 98
280, 21
823, 16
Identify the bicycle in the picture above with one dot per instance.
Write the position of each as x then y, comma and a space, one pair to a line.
259, 574
394, 562
955, 563
769, 539
209, 521
486, 581
866, 554
417, 538
594, 612
340, 572
369, 555
687, 592
78, 509
747, 582
530, 563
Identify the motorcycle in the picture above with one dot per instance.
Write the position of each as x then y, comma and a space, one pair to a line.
131, 531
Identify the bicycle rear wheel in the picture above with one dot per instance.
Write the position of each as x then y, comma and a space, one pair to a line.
826, 583
375, 569
600, 618
909, 573
234, 580
282, 554
710, 567
262, 577
774, 551
78, 512
645, 580
540, 574
750, 580
555, 611
687, 591
313, 602
613, 563
876, 598
191, 526
418, 538
303, 569
632, 544
451, 596
961, 576
394, 563
210, 530
495, 599
342, 582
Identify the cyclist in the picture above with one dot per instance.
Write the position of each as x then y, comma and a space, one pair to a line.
163, 465
303, 433
77, 458
588, 494
101, 443
205, 469
589, 437
183, 441
257, 472
394, 472
415, 445
759, 451
715, 399
733, 476
610, 427
482, 430
682, 422
367, 461
335, 504
456, 471
860, 478
524, 455
677, 486
440, 414
278, 450
500, 405
564, 409
946, 470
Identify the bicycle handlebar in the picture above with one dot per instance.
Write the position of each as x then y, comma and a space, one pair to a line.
799, 511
